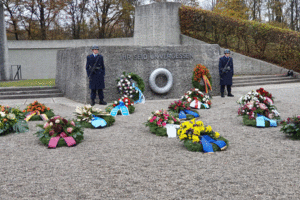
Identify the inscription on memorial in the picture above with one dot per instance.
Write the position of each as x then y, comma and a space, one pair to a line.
158, 56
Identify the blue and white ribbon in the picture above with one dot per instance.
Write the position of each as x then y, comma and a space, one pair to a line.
122, 107
260, 121
141, 96
207, 146
182, 114
98, 122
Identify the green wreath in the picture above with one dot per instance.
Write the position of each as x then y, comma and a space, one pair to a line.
44, 136
200, 70
110, 107
198, 147
139, 83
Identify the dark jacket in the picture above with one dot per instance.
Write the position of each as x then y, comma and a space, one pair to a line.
97, 77
226, 78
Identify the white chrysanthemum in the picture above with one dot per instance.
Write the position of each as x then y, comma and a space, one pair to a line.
189, 99
189, 92
88, 106
126, 104
130, 87
186, 96
123, 84
57, 121
115, 102
196, 89
204, 99
131, 96
78, 110
125, 96
157, 112
2, 114
129, 76
51, 124
130, 91
11, 116
126, 100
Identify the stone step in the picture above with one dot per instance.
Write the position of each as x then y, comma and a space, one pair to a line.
243, 77
3, 89
19, 92
243, 80
31, 96
264, 82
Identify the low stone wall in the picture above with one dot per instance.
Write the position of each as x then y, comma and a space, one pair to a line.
40, 56
71, 76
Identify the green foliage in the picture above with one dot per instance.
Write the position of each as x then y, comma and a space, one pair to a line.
291, 127
251, 38
159, 131
198, 147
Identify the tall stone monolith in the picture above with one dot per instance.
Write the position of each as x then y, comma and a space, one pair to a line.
4, 68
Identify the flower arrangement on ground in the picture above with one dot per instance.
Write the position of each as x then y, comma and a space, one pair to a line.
197, 137
182, 108
198, 98
127, 87
254, 105
158, 120
201, 73
129, 103
59, 131
37, 111
291, 127
86, 113
11, 120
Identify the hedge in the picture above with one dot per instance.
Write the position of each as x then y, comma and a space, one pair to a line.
251, 38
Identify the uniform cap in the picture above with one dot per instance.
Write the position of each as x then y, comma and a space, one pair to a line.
95, 47
226, 51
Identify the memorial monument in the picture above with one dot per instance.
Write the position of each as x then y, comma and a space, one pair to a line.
4, 68
158, 43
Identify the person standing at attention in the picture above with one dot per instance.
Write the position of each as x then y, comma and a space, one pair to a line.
96, 71
226, 73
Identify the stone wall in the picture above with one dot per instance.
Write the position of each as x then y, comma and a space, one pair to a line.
71, 76
4, 68
157, 24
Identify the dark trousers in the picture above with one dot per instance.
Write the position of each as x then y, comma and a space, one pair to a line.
100, 94
228, 89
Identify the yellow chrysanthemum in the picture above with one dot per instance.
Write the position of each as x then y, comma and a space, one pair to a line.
179, 132
193, 121
197, 130
217, 135
208, 129
195, 138
182, 136
199, 123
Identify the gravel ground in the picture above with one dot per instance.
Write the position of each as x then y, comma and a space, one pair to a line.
126, 161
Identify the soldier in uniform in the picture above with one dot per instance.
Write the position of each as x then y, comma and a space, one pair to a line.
226, 72
96, 71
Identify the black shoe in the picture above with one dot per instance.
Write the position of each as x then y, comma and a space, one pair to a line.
222, 95
102, 102
92, 102
230, 95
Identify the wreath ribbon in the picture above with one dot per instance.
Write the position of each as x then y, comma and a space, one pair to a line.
31, 114
207, 146
206, 83
261, 121
98, 121
122, 107
141, 95
54, 140
182, 114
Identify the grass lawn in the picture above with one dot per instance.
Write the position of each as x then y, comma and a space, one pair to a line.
28, 83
